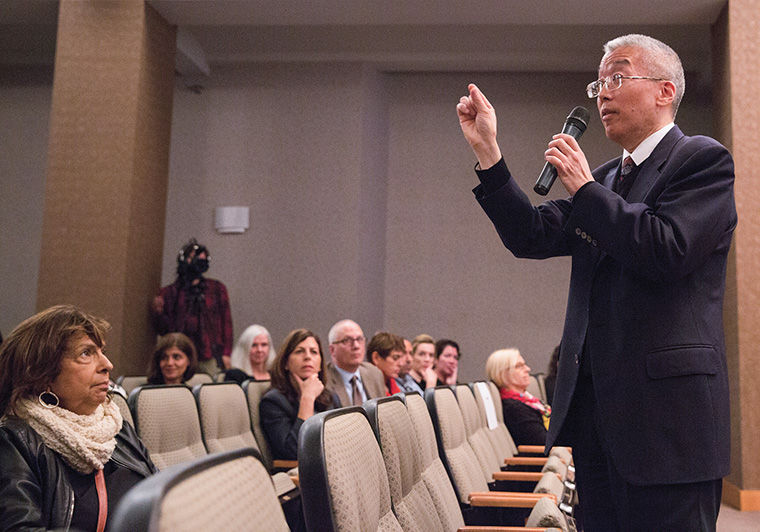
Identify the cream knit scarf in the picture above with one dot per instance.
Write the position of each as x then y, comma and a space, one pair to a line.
85, 442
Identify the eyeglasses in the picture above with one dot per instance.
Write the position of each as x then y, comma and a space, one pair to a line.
348, 340
613, 82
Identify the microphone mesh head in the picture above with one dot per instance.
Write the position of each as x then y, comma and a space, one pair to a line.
581, 114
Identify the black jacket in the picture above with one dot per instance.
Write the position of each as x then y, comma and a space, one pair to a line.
35, 493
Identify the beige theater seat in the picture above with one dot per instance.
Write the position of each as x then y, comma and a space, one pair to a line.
226, 491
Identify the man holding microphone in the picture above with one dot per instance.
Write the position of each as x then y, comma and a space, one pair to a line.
642, 387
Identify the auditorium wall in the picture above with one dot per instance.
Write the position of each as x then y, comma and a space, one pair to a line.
359, 184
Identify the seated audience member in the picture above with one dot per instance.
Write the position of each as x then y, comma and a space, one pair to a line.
349, 376
253, 353
526, 417
174, 360
297, 392
404, 379
551, 375
63, 445
423, 357
386, 352
446, 361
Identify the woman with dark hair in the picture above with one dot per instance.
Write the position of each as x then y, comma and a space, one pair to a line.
446, 361
297, 392
386, 351
66, 457
174, 360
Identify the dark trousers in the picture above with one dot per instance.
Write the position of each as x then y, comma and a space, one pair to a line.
608, 503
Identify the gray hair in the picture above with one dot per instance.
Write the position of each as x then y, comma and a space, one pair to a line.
336, 329
660, 61
240, 356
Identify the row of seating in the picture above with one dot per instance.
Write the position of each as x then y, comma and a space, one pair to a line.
130, 382
429, 482
163, 417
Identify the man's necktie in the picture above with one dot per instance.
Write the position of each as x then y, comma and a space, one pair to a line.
626, 177
356, 395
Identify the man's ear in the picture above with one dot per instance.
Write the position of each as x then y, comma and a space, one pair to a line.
667, 94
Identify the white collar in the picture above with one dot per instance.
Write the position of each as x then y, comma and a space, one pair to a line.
647, 146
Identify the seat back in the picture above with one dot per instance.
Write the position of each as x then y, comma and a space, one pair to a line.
433, 471
199, 378
501, 427
121, 401
458, 458
344, 485
254, 390
475, 427
410, 497
130, 382
224, 417
535, 389
227, 491
498, 435
166, 419
541, 381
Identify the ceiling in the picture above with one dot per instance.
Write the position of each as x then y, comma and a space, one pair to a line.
398, 35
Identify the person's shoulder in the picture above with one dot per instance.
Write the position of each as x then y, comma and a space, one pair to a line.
371, 369
16, 428
274, 396
332, 373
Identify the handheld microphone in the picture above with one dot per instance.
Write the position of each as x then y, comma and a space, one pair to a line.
575, 124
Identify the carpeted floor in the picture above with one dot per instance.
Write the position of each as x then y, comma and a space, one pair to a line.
731, 520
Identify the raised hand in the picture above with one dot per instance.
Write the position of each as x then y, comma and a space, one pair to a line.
477, 118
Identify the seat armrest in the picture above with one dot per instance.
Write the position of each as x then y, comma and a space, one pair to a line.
508, 499
284, 464
520, 476
526, 461
475, 528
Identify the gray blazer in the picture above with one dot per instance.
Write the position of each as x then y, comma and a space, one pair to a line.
372, 380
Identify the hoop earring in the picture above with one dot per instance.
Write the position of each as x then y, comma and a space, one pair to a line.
48, 399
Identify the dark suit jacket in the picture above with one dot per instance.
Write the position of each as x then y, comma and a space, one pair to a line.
372, 380
281, 424
645, 302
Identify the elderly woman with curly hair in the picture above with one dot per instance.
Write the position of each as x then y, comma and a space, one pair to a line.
66, 457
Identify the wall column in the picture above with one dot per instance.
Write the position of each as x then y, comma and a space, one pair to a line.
736, 78
105, 195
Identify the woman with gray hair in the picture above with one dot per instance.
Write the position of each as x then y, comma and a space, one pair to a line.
526, 417
254, 353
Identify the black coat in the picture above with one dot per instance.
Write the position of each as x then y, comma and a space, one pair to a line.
35, 493
645, 302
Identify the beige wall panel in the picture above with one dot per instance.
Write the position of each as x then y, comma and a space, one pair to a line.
744, 50
112, 91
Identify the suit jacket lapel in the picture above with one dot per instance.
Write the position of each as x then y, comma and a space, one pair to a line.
651, 168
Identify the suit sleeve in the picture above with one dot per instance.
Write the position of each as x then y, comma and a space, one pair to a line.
691, 216
281, 426
527, 231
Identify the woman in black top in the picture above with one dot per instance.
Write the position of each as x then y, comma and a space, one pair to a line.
525, 416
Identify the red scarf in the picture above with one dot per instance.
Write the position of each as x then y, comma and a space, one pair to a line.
391, 387
528, 399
